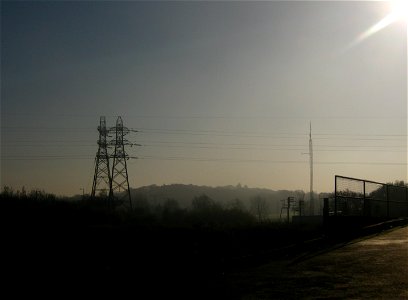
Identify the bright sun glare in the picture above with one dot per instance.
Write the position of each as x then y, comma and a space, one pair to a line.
398, 11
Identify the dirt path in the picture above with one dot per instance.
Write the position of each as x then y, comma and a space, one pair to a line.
370, 268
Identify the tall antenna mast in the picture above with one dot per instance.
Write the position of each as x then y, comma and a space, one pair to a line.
311, 170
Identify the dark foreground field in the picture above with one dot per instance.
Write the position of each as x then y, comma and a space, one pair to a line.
370, 267
56, 248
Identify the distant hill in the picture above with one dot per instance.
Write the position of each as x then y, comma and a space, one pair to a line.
224, 195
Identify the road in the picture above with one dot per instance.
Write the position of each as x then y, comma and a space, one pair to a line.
371, 268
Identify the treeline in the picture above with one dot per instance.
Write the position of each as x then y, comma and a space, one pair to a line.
40, 208
21, 208
244, 197
230, 229
150, 245
161, 248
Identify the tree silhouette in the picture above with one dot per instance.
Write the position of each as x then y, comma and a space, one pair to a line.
259, 208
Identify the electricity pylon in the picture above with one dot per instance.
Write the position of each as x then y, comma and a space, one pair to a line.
120, 179
102, 181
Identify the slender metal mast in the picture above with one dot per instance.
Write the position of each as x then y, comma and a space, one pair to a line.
311, 170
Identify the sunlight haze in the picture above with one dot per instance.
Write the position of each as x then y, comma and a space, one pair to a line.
220, 93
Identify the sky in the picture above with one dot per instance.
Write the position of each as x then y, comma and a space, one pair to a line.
220, 93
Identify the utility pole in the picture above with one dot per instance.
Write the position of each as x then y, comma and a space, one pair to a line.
300, 207
286, 205
288, 209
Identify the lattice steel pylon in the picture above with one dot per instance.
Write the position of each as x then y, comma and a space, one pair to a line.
120, 180
102, 181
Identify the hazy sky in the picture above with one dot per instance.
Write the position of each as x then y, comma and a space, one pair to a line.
221, 92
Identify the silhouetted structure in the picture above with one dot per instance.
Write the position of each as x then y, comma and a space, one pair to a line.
102, 181
288, 205
112, 183
311, 171
120, 179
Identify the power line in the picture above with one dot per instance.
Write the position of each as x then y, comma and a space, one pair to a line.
44, 157
267, 161
42, 145
69, 142
254, 148
240, 117
218, 132
176, 145
273, 149
29, 142
256, 134
202, 159
36, 128
270, 145
141, 129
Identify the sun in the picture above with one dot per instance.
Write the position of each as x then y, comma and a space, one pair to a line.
399, 10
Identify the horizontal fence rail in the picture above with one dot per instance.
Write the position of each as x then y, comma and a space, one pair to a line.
358, 197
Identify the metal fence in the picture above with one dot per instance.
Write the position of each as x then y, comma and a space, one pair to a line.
358, 197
